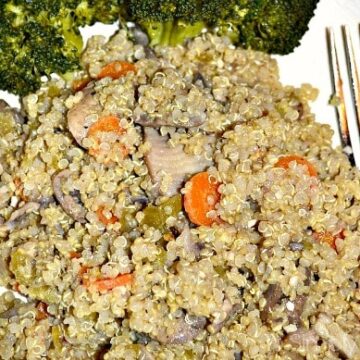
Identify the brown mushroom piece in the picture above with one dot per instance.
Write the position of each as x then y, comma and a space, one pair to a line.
187, 240
302, 337
145, 354
294, 315
162, 161
200, 80
184, 330
290, 355
166, 120
70, 203
17, 216
272, 295
332, 332
78, 116
15, 113
230, 310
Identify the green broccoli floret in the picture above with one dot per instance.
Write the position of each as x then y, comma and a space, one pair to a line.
272, 26
38, 38
170, 22
171, 32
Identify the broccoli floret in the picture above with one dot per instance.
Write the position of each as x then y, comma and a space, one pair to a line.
274, 26
271, 26
38, 38
170, 22
171, 32
163, 10
42, 37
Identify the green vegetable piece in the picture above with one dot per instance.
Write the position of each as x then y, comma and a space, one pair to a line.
161, 258
7, 123
308, 245
156, 216
56, 334
21, 267
183, 31
154, 31
220, 270
189, 355
126, 219
38, 38
53, 91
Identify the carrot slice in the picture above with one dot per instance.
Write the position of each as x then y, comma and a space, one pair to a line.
116, 69
106, 124
74, 255
201, 196
103, 285
104, 219
284, 162
80, 84
328, 238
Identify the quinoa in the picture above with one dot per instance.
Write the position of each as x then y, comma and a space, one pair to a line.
273, 279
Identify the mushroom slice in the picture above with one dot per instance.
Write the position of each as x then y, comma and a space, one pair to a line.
70, 203
302, 337
273, 295
230, 310
294, 316
17, 216
186, 239
170, 164
166, 120
184, 330
329, 330
78, 116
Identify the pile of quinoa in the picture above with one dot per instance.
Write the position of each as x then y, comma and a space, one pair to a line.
276, 278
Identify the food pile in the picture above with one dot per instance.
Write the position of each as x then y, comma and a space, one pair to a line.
176, 203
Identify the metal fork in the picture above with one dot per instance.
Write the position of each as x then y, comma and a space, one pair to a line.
343, 114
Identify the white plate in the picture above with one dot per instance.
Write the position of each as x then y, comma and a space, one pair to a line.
308, 63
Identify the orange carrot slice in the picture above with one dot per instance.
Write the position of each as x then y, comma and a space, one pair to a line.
74, 255
328, 238
201, 197
104, 219
103, 285
284, 162
106, 124
116, 69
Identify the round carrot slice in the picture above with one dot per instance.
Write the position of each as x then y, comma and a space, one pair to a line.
201, 196
284, 162
116, 69
106, 124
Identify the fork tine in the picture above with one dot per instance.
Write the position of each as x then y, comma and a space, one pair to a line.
337, 82
352, 71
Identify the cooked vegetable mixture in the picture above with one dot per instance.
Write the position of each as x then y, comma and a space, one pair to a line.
176, 203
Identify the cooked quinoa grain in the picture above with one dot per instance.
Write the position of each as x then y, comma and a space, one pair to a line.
121, 254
